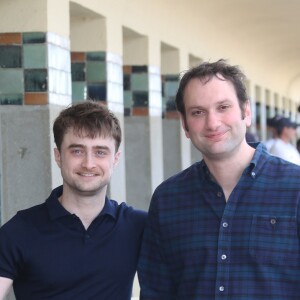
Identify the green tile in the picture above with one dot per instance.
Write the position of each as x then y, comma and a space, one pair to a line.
79, 91
35, 56
11, 81
36, 80
34, 37
128, 99
139, 82
95, 71
170, 88
10, 56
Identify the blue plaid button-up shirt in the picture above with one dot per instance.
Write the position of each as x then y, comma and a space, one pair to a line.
197, 246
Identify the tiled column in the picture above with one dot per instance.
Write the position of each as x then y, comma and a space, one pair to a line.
171, 126
114, 90
263, 115
34, 69
35, 83
97, 75
252, 97
143, 132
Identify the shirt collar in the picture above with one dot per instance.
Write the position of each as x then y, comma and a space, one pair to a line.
259, 158
56, 210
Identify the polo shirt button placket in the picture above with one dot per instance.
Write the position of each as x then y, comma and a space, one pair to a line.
219, 194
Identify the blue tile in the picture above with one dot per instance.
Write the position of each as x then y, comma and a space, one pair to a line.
96, 56
10, 56
11, 99
36, 80
97, 91
78, 71
34, 37
140, 99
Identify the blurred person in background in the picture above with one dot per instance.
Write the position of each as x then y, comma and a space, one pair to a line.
282, 145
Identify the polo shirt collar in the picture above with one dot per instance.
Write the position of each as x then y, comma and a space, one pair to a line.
56, 210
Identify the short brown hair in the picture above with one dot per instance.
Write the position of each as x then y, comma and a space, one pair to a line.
89, 118
205, 72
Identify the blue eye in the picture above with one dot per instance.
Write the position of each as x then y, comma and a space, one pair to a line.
100, 153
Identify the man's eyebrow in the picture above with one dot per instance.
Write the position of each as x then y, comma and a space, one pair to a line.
98, 147
101, 147
76, 146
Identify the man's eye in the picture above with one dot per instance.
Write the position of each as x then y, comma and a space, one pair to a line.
224, 107
77, 151
100, 153
197, 113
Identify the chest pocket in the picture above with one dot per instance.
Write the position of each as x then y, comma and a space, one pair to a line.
274, 240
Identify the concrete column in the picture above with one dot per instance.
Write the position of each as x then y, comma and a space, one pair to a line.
272, 104
170, 61
263, 114
143, 123
251, 94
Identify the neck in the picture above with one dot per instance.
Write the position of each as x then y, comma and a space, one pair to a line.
87, 208
228, 171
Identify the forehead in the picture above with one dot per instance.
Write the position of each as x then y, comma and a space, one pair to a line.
83, 138
216, 89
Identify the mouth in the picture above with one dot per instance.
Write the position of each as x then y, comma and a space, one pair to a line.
87, 174
215, 136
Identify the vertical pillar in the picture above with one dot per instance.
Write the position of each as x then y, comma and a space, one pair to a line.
34, 85
171, 125
143, 123
272, 102
263, 114
252, 99
97, 75
278, 104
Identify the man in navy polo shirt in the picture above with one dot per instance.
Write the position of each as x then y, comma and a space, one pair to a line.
78, 244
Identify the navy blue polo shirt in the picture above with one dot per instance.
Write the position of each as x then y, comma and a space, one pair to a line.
49, 254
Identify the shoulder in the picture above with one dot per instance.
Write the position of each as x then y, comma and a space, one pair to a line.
127, 213
24, 218
182, 181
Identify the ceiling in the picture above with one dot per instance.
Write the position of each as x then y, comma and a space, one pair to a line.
265, 32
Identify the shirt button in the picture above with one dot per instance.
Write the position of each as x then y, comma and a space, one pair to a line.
221, 288
225, 224
273, 221
87, 236
253, 174
219, 194
223, 256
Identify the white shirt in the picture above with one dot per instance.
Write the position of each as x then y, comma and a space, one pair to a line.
285, 151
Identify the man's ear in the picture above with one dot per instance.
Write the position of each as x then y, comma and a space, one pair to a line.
247, 113
57, 156
117, 158
184, 125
